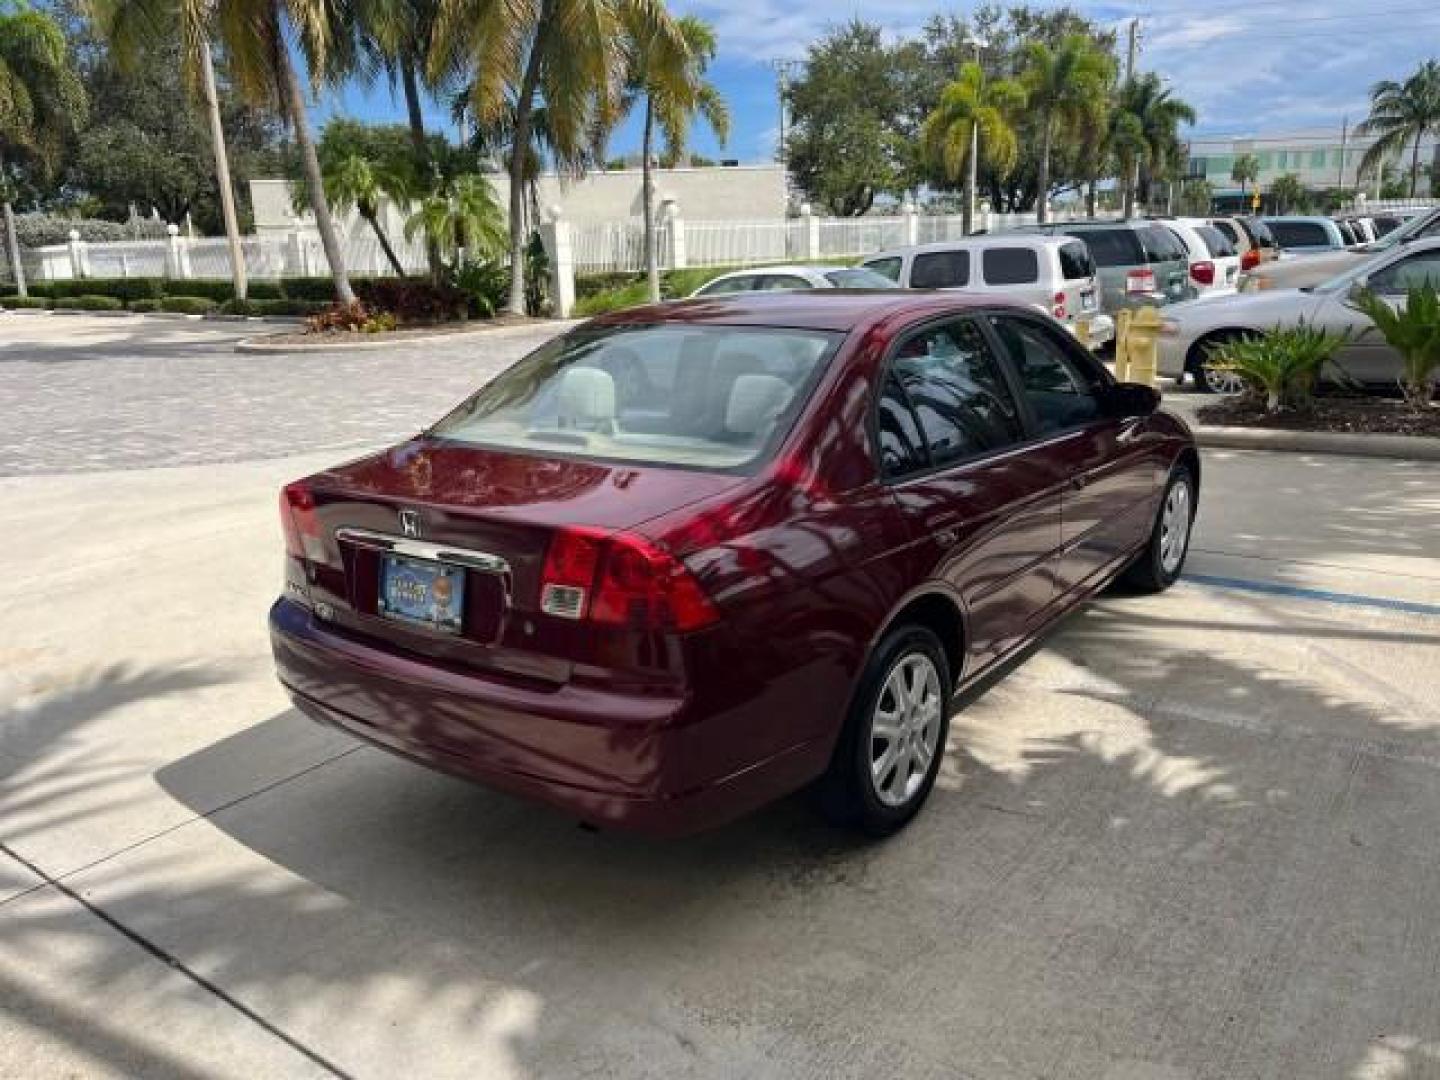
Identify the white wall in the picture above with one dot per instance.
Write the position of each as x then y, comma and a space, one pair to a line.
743, 192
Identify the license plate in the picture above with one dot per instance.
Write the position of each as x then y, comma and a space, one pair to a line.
422, 592
1087, 301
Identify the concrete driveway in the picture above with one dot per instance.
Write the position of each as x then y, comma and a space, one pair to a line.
1196, 835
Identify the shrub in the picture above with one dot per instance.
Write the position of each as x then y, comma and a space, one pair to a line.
145, 306
487, 284
40, 229
413, 300
216, 289
272, 307
1283, 364
310, 288
339, 317
588, 285
1414, 332
188, 305
18, 302
89, 303
126, 290
613, 300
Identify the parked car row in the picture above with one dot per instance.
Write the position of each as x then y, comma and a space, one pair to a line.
1314, 268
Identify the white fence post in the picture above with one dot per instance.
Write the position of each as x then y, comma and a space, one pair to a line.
177, 255
983, 221
811, 232
295, 255
675, 256
555, 235
79, 257
912, 223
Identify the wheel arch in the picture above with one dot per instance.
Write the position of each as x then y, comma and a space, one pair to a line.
939, 611
1195, 353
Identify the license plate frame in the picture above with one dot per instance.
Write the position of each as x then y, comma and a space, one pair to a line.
408, 595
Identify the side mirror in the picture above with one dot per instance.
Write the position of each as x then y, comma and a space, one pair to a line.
1126, 400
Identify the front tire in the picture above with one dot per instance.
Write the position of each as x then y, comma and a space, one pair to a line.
1208, 378
1160, 564
889, 752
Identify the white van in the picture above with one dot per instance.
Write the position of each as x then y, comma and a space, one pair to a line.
1052, 273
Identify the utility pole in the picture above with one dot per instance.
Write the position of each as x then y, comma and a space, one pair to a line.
1134, 36
784, 70
1132, 182
222, 173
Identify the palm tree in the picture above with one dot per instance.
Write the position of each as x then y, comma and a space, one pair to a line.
674, 94
252, 34
1402, 113
1245, 171
571, 53
973, 101
41, 103
1144, 131
463, 221
1288, 192
1066, 85
352, 180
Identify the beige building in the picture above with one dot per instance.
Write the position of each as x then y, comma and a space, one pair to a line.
718, 193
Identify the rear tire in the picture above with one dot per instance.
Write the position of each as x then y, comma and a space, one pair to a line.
889, 752
1160, 564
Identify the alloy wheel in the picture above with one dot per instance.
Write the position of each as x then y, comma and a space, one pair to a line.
1175, 526
905, 729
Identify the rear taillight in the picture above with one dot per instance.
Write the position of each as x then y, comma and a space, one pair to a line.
1140, 281
1059, 309
300, 522
1250, 260
621, 579
1203, 272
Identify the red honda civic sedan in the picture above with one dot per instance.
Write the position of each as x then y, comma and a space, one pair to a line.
688, 558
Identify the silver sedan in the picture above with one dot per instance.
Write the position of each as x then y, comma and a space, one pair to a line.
1190, 331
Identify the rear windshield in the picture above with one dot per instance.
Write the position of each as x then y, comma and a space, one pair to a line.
1299, 233
1010, 266
940, 270
1227, 230
1216, 242
704, 397
1075, 261
888, 267
860, 277
1162, 245
1113, 247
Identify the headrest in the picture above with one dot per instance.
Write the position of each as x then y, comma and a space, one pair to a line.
587, 398
755, 402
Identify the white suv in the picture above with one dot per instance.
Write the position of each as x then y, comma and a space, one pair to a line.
1054, 274
1214, 259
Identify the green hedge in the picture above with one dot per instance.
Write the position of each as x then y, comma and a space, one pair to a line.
123, 289
89, 303
279, 307
40, 302
145, 306
189, 305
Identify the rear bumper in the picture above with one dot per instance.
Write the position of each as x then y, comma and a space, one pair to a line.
612, 759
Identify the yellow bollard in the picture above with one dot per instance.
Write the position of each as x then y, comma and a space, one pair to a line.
1122, 344
1144, 346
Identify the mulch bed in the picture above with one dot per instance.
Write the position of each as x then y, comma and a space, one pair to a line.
1369, 416
402, 334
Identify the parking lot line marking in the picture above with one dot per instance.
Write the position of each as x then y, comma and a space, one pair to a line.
1324, 596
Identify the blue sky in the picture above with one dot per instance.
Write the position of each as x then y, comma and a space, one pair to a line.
1264, 67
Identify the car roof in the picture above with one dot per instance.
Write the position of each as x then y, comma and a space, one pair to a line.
1316, 218
819, 309
787, 268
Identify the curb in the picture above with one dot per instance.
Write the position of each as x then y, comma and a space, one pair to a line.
1408, 447
259, 344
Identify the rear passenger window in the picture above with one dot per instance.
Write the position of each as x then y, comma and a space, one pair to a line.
953, 382
1113, 247
902, 447
1226, 230
1058, 390
1299, 234
779, 282
1010, 266
888, 267
940, 270
1075, 261
1216, 242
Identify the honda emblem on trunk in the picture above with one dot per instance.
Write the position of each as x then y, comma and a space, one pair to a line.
410, 523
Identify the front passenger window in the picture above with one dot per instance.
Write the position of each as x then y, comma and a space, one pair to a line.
1416, 272
1057, 389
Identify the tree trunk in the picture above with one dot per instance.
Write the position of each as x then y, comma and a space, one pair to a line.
12, 242
1042, 182
222, 175
519, 153
373, 220
1092, 197
300, 124
1127, 188
647, 197
423, 166
1415, 164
